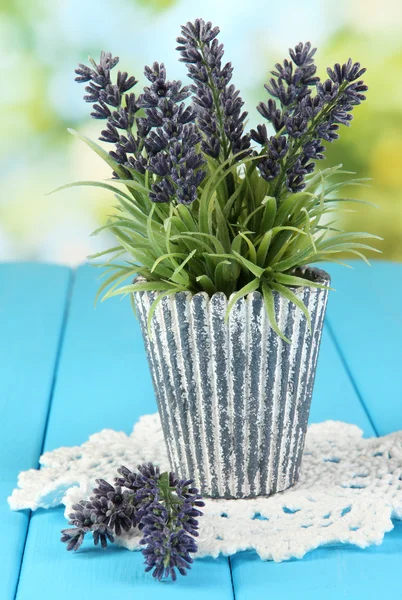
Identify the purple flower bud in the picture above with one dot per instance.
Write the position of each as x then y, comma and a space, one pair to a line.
269, 169
278, 147
314, 150
328, 90
260, 135
302, 55
296, 125
326, 131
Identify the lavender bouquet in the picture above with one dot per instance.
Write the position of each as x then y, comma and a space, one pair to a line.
163, 507
203, 205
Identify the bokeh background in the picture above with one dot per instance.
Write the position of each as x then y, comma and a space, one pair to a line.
41, 41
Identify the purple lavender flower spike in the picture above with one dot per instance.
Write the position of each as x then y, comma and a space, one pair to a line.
218, 104
304, 119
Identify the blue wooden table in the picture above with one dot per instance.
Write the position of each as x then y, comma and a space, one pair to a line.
68, 370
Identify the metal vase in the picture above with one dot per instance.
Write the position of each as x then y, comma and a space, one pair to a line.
233, 397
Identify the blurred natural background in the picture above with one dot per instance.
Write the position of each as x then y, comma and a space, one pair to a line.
41, 41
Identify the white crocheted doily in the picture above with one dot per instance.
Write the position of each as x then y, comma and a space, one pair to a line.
349, 490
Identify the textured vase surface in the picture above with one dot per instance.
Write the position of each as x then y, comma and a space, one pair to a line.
233, 397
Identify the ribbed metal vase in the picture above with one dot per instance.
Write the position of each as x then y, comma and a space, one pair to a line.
233, 397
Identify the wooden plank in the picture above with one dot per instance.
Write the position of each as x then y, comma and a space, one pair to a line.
343, 570
366, 316
334, 396
374, 358
33, 299
103, 381
332, 573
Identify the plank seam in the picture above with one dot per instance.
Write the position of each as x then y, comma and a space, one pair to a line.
349, 373
231, 578
51, 395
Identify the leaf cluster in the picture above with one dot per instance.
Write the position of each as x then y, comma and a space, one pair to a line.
236, 238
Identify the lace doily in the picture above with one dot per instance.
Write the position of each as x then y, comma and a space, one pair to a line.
350, 489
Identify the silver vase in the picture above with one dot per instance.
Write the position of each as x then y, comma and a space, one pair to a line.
233, 397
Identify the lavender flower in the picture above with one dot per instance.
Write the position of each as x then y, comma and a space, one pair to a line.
304, 120
165, 508
171, 139
169, 525
158, 135
167, 551
348, 72
106, 96
166, 138
73, 538
86, 518
218, 104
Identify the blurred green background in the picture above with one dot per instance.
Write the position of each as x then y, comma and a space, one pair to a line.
41, 41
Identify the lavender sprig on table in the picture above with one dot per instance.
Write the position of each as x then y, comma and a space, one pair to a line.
165, 508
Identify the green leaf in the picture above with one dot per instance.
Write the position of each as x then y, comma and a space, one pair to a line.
270, 308
291, 205
186, 216
297, 260
219, 175
155, 303
97, 184
237, 243
175, 223
108, 251
263, 248
207, 285
153, 238
348, 182
279, 246
351, 200
100, 152
250, 266
143, 286
348, 246
268, 219
194, 240
169, 238
323, 258
138, 230
222, 228
348, 237
231, 201
281, 228
134, 211
130, 183
291, 296
323, 175
223, 275
294, 281
115, 278
247, 289
251, 248
175, 276
166, 257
